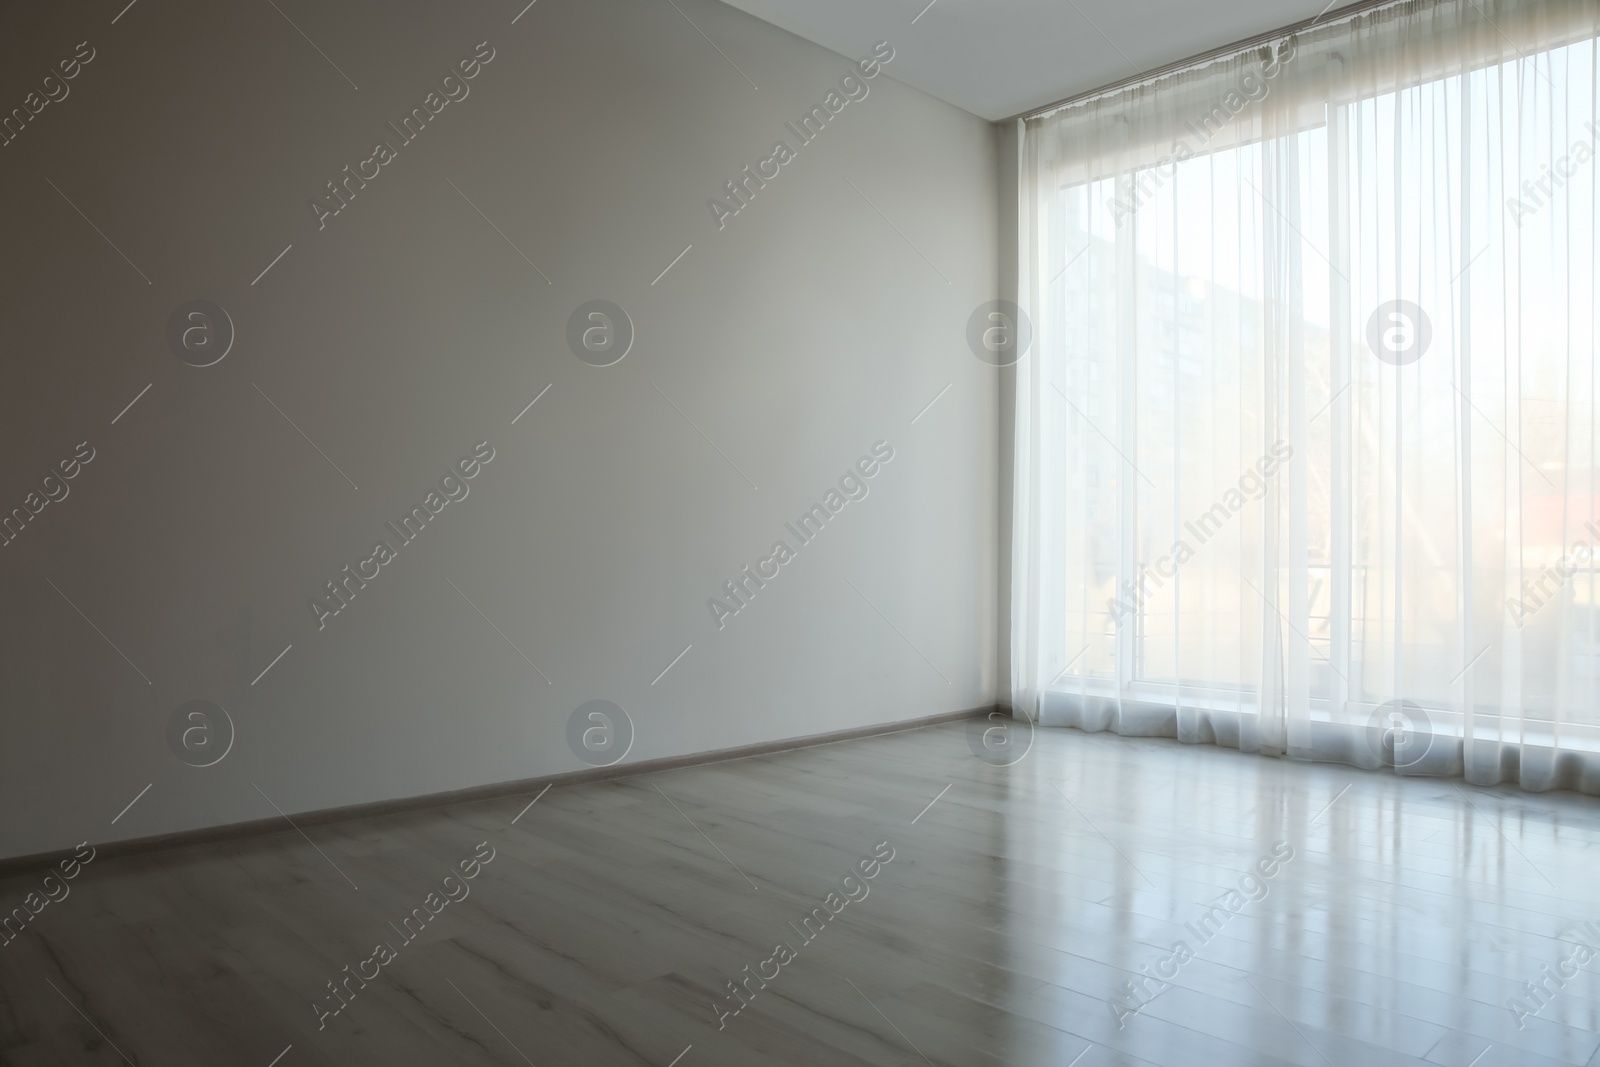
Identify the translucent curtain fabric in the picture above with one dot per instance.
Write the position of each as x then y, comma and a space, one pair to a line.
1306, 441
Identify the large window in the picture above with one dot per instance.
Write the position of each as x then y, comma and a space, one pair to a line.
1310, 420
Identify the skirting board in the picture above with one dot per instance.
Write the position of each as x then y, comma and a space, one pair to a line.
256, 827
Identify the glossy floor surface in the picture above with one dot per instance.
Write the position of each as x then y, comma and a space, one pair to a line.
1386, 921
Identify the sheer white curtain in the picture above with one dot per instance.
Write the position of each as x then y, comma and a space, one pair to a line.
1306, 453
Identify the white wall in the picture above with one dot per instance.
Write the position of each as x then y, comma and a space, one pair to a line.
406, 331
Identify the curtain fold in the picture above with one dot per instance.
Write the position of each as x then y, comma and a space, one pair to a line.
1306, 452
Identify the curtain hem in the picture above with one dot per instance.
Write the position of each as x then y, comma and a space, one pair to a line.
1531, 767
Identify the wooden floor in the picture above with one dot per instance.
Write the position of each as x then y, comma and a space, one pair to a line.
1003, 931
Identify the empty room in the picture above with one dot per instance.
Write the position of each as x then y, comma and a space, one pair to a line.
749, 533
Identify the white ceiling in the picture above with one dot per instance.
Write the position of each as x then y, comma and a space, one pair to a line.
996, 58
